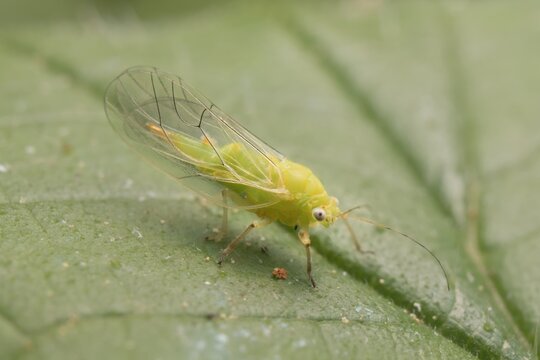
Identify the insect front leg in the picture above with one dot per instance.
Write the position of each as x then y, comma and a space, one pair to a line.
232, 245
303, 235
222, 232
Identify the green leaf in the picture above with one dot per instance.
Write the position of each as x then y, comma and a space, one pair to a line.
426, 112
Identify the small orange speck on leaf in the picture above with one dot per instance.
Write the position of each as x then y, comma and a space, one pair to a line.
279, 273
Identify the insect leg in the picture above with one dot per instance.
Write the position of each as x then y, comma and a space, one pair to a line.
303, 235
232, 245
354, 238
217, 236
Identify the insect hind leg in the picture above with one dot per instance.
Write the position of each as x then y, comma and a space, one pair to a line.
233, 244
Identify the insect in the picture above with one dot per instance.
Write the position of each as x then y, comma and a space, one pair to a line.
184, 134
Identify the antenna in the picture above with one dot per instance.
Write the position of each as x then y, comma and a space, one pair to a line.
346, 214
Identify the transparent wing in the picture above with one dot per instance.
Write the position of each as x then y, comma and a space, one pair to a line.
145, 98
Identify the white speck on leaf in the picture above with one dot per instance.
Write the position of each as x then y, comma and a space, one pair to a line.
222, 338
301, 343
137, 233
200, 345
266, 330
128, 183
243, 333
4, 168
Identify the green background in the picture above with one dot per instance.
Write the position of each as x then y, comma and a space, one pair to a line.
428, 112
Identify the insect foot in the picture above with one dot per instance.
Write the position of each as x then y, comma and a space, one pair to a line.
222, 257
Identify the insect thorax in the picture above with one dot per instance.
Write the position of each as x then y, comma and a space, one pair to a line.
305, 193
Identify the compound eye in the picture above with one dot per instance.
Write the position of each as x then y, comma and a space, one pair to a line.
319, 214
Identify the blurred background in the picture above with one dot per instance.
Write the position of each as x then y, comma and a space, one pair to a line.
426, 111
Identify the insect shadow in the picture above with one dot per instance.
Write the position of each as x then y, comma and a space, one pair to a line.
180, 223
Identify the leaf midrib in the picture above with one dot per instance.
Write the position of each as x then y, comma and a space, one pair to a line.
466, 130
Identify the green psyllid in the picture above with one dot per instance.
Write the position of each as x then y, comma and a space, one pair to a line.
186, 135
